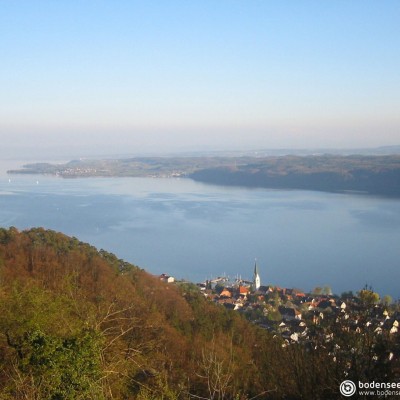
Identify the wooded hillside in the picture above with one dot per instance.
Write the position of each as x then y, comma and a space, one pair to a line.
77, 323
378, 175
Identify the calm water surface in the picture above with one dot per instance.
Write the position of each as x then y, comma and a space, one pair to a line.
196, 231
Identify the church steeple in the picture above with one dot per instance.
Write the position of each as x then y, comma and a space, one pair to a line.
256, 277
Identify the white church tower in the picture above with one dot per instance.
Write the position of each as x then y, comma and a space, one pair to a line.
256, 277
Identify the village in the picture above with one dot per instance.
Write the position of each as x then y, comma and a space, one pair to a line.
342, 324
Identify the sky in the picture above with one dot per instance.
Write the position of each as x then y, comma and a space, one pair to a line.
80, 77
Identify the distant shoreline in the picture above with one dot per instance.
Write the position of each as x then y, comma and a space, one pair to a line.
370, 175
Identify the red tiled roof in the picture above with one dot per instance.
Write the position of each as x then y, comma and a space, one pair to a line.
226, 293
243, 290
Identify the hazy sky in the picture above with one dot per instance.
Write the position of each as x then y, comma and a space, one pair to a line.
132, 76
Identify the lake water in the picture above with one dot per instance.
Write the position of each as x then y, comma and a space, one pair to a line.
196, 231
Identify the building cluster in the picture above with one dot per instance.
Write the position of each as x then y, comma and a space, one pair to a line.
309, 318
312, 319
348, 328
73, 172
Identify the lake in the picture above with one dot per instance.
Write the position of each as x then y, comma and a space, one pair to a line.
196, 231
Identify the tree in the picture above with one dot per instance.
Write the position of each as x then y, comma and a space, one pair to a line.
347, 295
51, 355
368, 297
387, 300
327, 290
274, 315
317, 291
56, 368
217, 374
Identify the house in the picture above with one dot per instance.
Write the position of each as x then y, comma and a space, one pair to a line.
225, 293
225, 301
265, 289
289, 313
167, 278
243, 290
395, 327
324, 304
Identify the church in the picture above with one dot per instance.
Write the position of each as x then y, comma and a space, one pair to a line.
256, 277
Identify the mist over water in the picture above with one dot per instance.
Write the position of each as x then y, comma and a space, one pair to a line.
197, 231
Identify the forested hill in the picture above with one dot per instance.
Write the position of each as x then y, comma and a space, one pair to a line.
378, 175
78, 323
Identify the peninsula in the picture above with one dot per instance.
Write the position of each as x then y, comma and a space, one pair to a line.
369, 174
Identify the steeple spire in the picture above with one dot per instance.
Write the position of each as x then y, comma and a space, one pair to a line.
256, 277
